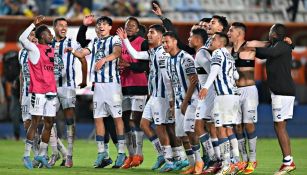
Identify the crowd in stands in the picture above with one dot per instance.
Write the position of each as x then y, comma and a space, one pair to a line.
237, 10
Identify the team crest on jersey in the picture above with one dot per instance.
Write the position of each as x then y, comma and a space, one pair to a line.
99, 54
58, 65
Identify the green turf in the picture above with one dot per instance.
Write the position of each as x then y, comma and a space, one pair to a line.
268, 155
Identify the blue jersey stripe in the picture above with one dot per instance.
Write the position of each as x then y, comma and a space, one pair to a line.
156, 76
185, 86
60, 55
224, 74
103, 67
25, 58
68, 64
94, 62
93, 55
110, 62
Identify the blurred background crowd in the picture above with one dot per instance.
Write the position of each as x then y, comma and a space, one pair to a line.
239, 10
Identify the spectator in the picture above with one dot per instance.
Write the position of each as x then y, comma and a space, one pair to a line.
78, 9
125, 8
9, 7
43, 7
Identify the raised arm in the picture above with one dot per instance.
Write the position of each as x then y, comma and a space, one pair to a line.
142, 55
81, 36
32, 49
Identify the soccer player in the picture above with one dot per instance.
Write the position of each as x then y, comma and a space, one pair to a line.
181, 69
134, 87
197, 40
245, 63
105, 51
204, 23
42, 88
25, 96
217, 24
223, 74
278, 66
158, 103
65, 76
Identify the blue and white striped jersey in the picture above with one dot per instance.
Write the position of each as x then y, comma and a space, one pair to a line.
99, 49
208, 42
64, 62
23, 61
179, 68
224, 83
156, 82
202, 64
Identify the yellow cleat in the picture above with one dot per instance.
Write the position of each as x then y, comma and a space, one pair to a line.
250, 168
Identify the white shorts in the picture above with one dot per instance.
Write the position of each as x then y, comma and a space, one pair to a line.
157, 109
185, 123
248, 105
179, 123
25, 108
66, 97
205, 106
107, 100
225, 109
134, 103
41, 106
282, 107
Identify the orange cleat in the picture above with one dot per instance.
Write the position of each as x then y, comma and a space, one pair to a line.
137, 160
127, 163
199, 166
189, 170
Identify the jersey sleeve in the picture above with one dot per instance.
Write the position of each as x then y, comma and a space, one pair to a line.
188, 65
90, 45
217, 57
76, 45
116, 41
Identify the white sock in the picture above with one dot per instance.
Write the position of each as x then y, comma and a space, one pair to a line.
100, 143
53, 141
252, 149
207, 145
157, 145
288, 160
176, 153
121, 144
129, 142
242, 149
225, 150
196, 150
70, 139
43, 149
234, 147
191, 157
35, 146
139, 142
216, 147
168, 153
62, 148
28, 146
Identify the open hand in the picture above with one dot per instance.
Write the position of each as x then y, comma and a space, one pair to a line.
203, 93
38, 19
89, 19
156, 9
121, 33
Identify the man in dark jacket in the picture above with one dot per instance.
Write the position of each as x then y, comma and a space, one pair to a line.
278, 66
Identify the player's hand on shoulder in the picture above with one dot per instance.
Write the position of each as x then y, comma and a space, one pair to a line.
68, 49
88, 19
38, 19
121, 33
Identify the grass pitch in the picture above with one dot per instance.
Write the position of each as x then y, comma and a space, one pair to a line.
268, 156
